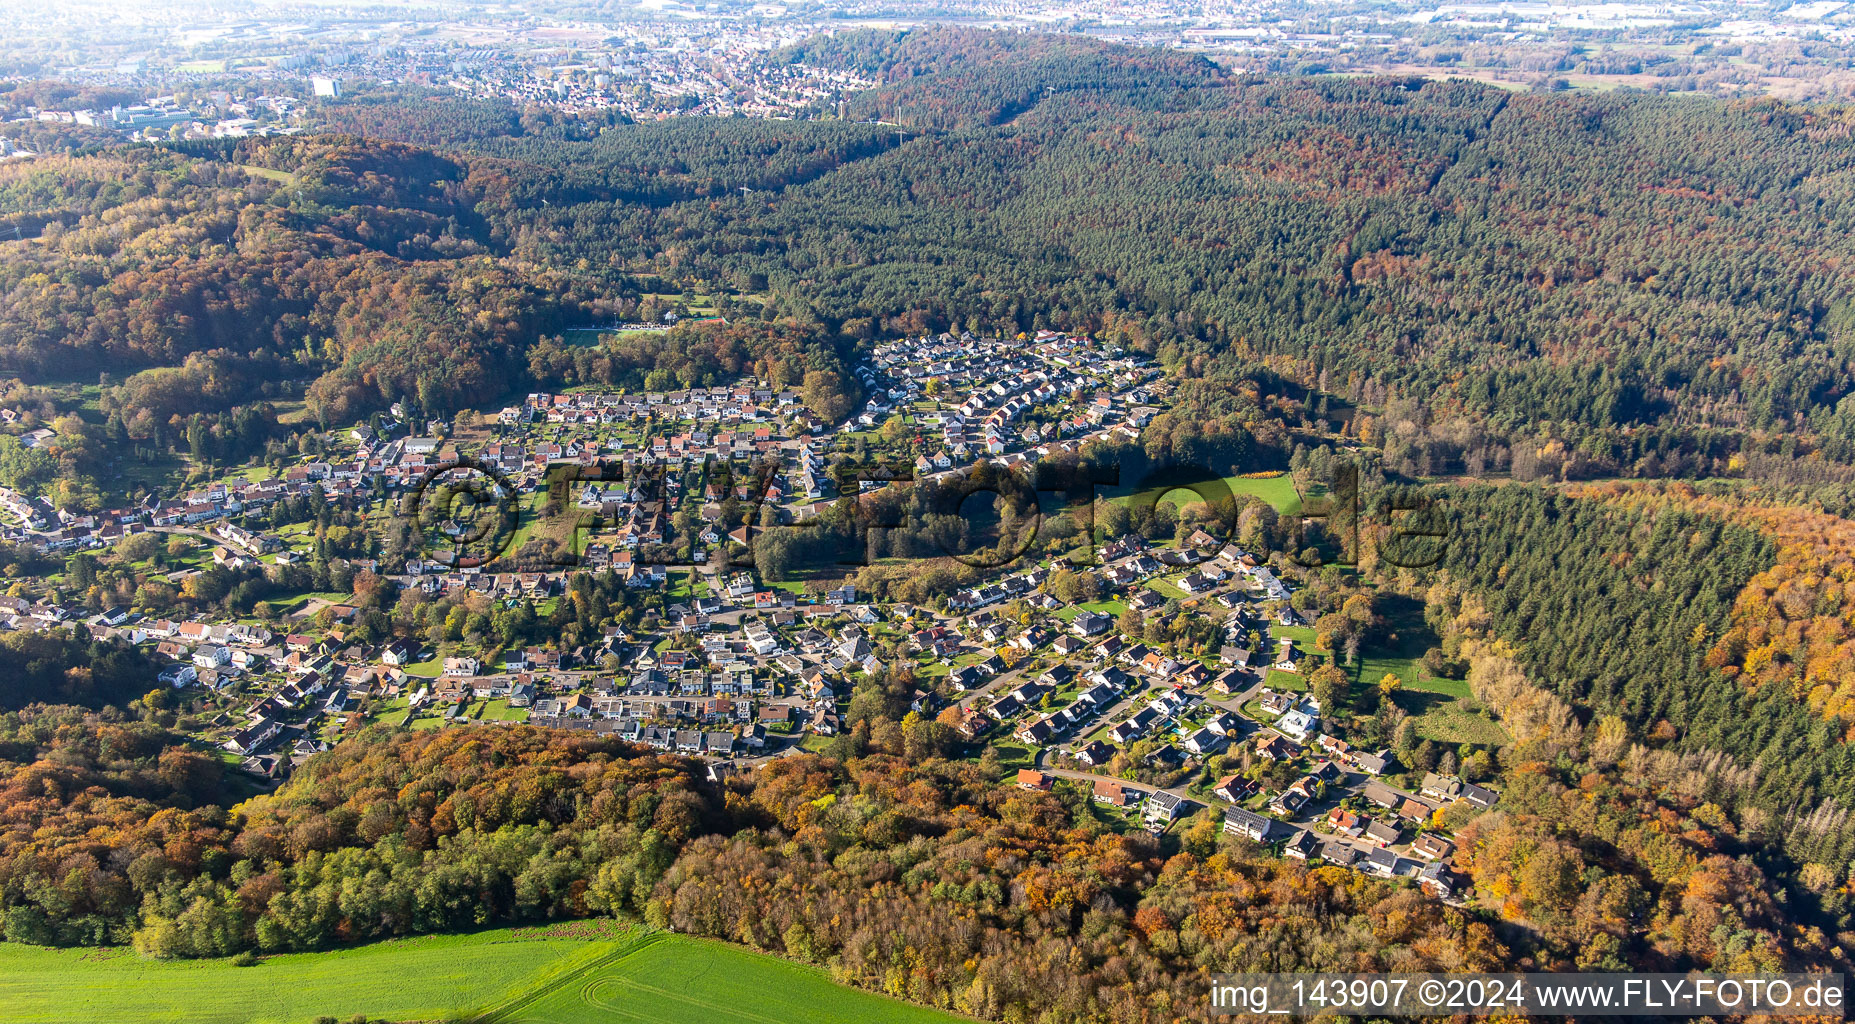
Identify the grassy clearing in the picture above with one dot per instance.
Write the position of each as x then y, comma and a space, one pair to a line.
1303, 636
1110, 607
269, 173
292, 605
1167, 586
1402, 654
1451, 720
1444, 708
1278, 491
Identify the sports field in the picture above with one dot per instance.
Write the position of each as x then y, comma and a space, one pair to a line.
496, 977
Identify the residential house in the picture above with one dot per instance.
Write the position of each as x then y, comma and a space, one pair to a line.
1432, 847
1274, 746
1162, 808
1095, 754
1415, 809
1372, 764
1440, 787
1383, 833
1240, 822
1346, 823
1298, 723
1301, 845
1437, 881
1480, 796
1204, 741
1231, 788
1380, 862
1339, 854
1382, 795
1114, 793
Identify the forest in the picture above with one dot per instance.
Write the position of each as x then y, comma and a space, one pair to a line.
917, 876
1628, 617
1554, 285
1437, 278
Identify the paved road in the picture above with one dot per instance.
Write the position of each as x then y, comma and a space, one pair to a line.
1090, 777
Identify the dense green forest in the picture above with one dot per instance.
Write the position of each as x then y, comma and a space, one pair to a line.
1611, 607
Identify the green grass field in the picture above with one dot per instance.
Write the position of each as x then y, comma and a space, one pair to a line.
1278, 491
1109, 607
1014, 755
1166, 586
1403, 656
576, 973
1276, 679
426, 978
499, 711
669, 979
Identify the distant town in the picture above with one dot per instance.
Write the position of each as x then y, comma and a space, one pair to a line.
665, 58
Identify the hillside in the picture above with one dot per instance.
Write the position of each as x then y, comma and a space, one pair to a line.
1656, 284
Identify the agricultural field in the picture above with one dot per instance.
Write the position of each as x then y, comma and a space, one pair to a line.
426, 978
669, 979
574, 973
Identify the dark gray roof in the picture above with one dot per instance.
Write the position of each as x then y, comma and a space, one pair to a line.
1247, 821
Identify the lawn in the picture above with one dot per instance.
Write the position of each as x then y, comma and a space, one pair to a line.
431, 977
1167, 586
393, 711
1112, 608
1015, 755
1303, 636
671, 979
296, 603
1278, 680
499, 711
